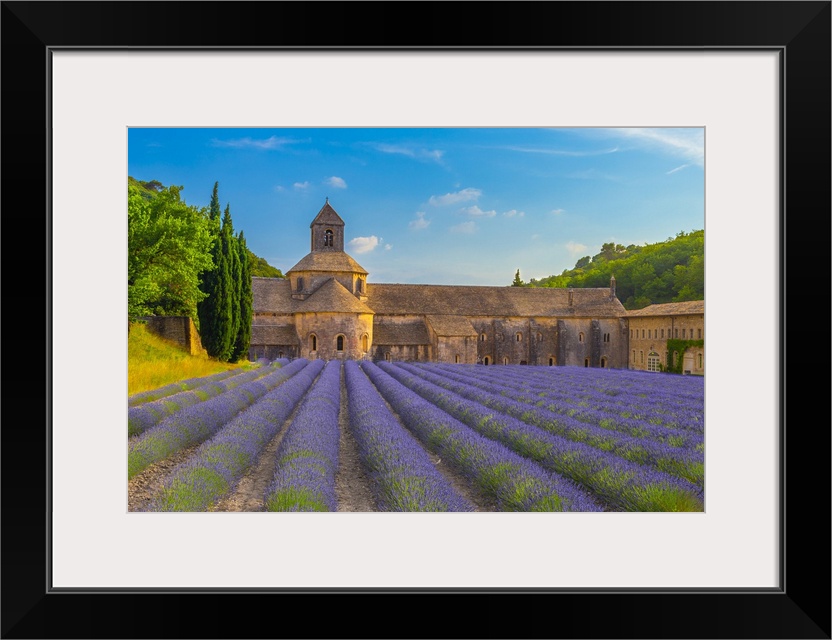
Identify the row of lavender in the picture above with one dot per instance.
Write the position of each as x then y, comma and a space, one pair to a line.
516, 464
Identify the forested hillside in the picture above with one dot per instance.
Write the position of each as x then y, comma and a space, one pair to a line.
669, 271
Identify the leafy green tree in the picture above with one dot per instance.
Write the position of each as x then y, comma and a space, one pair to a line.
229, 247
517, 281
168, 247
261, 268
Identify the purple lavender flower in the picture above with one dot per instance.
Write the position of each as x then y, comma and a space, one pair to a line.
196, 424
307, 457
402, 474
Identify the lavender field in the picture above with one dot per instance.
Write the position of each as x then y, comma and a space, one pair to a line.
311, 435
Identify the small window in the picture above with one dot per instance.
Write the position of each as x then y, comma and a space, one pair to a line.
641, 356
642, 333
684, 332
365, 342
505, 360
339, 343
300, 284
456, 358
551, 362
603, 363
699, 333
700, 360
482, 337
486, 361
634, 355
359, 285
518, 337
313, 342
586, 362
676, 333
328, 238
581, 336
388, 356
649, 333
662, 333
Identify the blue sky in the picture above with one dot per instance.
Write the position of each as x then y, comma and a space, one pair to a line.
444, 205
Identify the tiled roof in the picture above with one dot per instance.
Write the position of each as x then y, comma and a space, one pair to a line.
327, 216
400, 333
273, 295
273, 335
691, 307
451, 326
423, 299
332, 296
328, 261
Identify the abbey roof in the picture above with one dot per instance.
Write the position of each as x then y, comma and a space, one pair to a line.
332, 296
328, 261
327, 216
690, 307
274, 295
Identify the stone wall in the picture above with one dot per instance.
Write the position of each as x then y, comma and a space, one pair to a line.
178, 329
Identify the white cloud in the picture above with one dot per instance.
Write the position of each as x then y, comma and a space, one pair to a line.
562, 152
684, 166
242, 143
388, 246
465, 195
418, 154
685, 143
479, 213
557, 212
419, 222
465, 227
514, 213
301, 185
363, 244
337, 182
279, 188
575, 247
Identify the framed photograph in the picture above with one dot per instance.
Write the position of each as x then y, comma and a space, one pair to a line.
754, 76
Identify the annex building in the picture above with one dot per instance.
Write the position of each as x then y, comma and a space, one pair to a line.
325, 308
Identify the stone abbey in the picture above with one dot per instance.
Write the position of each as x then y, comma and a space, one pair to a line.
325, 308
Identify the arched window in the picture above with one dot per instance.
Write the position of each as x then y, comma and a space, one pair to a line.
581, 336
505, 360
482, 337
388, 356
641, 356
313, 342
676, 332
551, 362
662, 333
328, 238
518, 336
603, 363
365, 342
652, 361
486, 361
456, 358
699, 333
359, 285
684, 332
586, 362
642, 333
700, 360
339, 343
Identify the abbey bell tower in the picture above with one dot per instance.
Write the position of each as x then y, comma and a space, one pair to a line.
327, 230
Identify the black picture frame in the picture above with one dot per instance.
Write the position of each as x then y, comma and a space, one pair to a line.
799, 608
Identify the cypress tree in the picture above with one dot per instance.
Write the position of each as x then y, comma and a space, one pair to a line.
241, 344
234, 283
214, 311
